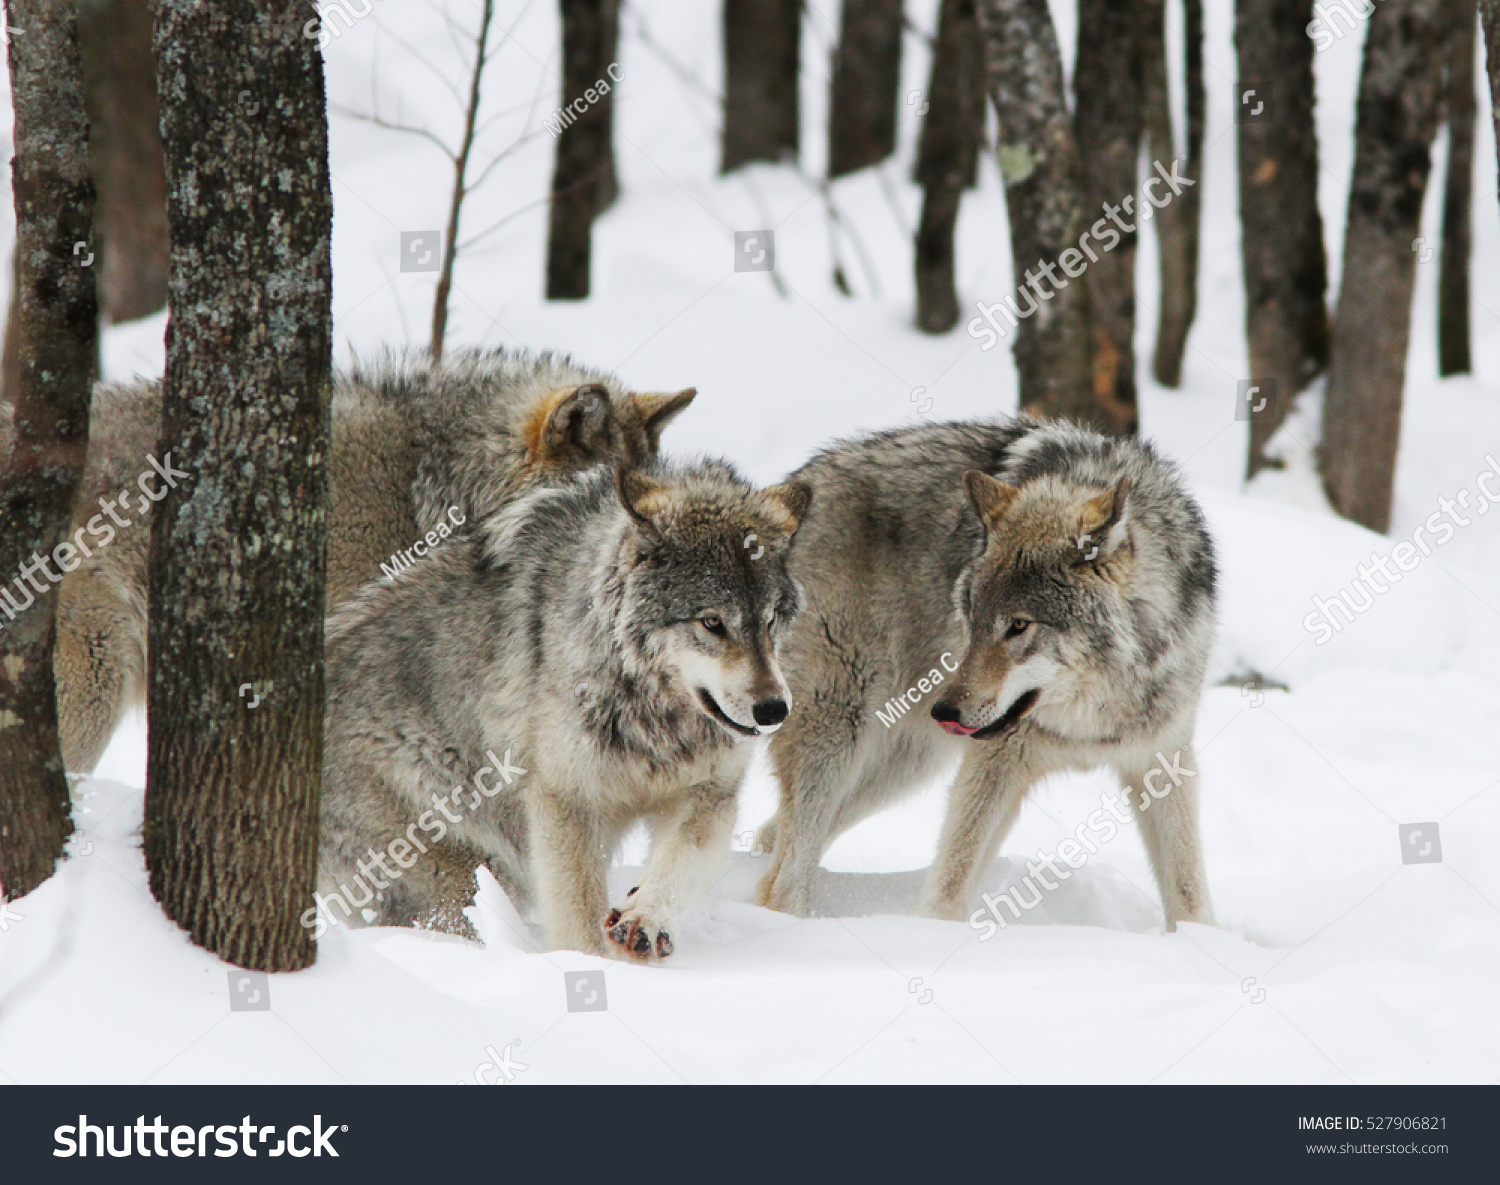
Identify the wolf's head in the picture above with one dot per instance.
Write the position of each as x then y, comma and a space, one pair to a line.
707, 594
1043, 603
573, 427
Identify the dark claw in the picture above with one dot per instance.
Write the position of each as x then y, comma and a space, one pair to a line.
663, 945
633, 891
640, 944
614, 916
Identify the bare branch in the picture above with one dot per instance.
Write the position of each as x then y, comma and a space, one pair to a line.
392, 126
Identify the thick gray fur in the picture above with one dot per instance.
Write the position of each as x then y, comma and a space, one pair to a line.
543, 679
409, 442
909, 568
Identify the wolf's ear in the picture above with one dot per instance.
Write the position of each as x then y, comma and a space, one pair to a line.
659, 408
787, 504
989, 496
1103, 520
643, 497
575, 430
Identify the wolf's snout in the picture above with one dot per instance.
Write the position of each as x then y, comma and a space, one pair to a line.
951, 720
769, 713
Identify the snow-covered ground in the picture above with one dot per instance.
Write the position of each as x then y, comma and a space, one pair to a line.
1332, 961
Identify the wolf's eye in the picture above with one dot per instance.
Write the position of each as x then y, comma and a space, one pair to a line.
1016, 627
714, 624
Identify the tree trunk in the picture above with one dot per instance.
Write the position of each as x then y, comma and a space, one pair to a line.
1489, 11
866, 89
762, 44
1176, 222
1400, 96
607, 190
1043, 184
1107, 83
125, 156
583, 157
235, 650
947, 158
1458, 191
1281, 230
47, 438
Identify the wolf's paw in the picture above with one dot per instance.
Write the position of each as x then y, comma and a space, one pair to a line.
632, 936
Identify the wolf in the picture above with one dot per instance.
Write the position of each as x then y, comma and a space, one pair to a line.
418, 452
596, 653
1015, 597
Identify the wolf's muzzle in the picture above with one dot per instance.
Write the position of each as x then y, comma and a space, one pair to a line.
949, 718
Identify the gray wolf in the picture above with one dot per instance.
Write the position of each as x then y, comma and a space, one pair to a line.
1045, 592
593, 654
417, 453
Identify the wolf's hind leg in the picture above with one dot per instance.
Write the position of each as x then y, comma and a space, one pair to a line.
568, 845
99, 665
433, 893
816, 775
689, 847
363, 816
1169, 830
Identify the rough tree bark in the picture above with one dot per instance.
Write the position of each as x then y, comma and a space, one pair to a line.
46, 441
130, 214
1107, 84
865, 95
1458, 191
1038, 158
1177, 222
947, 158
607, 190
1400, 97
1281, 230
582, 160
1489, 11
762, 46
238, 540
126, 157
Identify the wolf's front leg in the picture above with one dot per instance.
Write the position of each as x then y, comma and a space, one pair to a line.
1168, 788
690, 844
983, 803
568, 864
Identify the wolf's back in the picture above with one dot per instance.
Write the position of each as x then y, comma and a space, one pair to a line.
474, 422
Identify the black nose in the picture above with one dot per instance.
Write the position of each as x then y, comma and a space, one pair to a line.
945, 713
772, 711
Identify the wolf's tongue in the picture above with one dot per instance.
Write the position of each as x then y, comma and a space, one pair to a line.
956, 728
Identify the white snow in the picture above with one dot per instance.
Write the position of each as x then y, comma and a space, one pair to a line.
1332, 960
